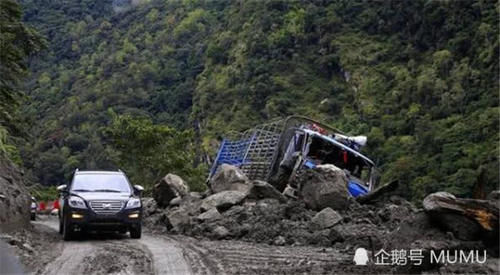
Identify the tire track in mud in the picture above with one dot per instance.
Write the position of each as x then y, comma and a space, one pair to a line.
70, 258
177, 254
71, 255
117, 254
237, 257
168, 257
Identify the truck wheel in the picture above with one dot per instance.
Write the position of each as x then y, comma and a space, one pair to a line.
135, 232
67, 230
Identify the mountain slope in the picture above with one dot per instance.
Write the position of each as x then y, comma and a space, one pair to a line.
419, 78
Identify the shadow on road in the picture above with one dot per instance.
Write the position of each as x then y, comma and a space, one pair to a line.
53, 223
99, 236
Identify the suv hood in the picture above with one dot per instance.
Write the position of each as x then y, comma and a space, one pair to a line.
90, 196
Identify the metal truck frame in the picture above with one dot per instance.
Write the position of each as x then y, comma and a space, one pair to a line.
276, 151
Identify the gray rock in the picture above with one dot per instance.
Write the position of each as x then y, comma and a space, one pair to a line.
178, 219
175, 201
326, 218
211, 215
267, 203
431, 203
149, 206
237, 213
223, 200
280, 240
168, 188
221, 232
494, 195
196, 195
262, 189
467, 219
229, 177
325, 186
177, 184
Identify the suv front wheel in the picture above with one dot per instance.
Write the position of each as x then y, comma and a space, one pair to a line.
67, 231
135, 232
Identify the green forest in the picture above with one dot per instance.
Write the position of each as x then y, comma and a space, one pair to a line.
152, 86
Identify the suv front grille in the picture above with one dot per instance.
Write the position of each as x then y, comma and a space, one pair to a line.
106, 207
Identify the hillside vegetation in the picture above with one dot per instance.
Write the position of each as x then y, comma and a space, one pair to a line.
151, 86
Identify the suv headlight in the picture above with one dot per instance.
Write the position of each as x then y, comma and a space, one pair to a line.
133, 203
77, 202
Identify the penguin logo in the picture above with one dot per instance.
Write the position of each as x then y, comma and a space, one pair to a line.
361, 256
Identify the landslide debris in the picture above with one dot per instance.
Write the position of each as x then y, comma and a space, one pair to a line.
381, 221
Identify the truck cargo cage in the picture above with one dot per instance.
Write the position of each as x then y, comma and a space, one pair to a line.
257, 151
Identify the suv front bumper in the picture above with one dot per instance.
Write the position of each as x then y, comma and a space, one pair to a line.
88, 219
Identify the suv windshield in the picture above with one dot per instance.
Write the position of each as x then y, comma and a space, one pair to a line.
100, 183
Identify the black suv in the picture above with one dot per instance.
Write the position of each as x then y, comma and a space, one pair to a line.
102, 201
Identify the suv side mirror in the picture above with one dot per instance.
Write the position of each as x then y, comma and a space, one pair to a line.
138, 189
62, 188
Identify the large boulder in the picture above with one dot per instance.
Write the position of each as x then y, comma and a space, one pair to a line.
229, 177
324, 186
467, 219
211, 215
326, 218
179, 220
262, 190
170, 187
223, 200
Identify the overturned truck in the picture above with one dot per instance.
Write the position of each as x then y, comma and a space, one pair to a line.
275, 152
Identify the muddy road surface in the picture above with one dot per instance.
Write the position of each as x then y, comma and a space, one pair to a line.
112, 253
43, 251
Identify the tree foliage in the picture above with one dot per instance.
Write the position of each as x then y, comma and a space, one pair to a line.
148, 152
17, 43
419, 77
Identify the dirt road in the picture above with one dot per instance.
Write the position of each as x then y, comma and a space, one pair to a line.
169, 254
115, 253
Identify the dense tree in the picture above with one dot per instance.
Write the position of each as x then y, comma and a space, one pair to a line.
17, 43
419, 77
148, 152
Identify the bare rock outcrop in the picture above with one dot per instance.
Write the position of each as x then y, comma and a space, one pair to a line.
14, 198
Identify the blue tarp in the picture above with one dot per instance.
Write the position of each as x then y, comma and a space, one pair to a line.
231, 152
356, 189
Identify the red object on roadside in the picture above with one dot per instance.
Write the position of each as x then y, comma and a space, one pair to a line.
56, 204
41, 205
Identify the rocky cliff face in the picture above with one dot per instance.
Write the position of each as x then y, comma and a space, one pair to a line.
14, 198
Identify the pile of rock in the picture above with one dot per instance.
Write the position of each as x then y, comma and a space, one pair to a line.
324, 214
